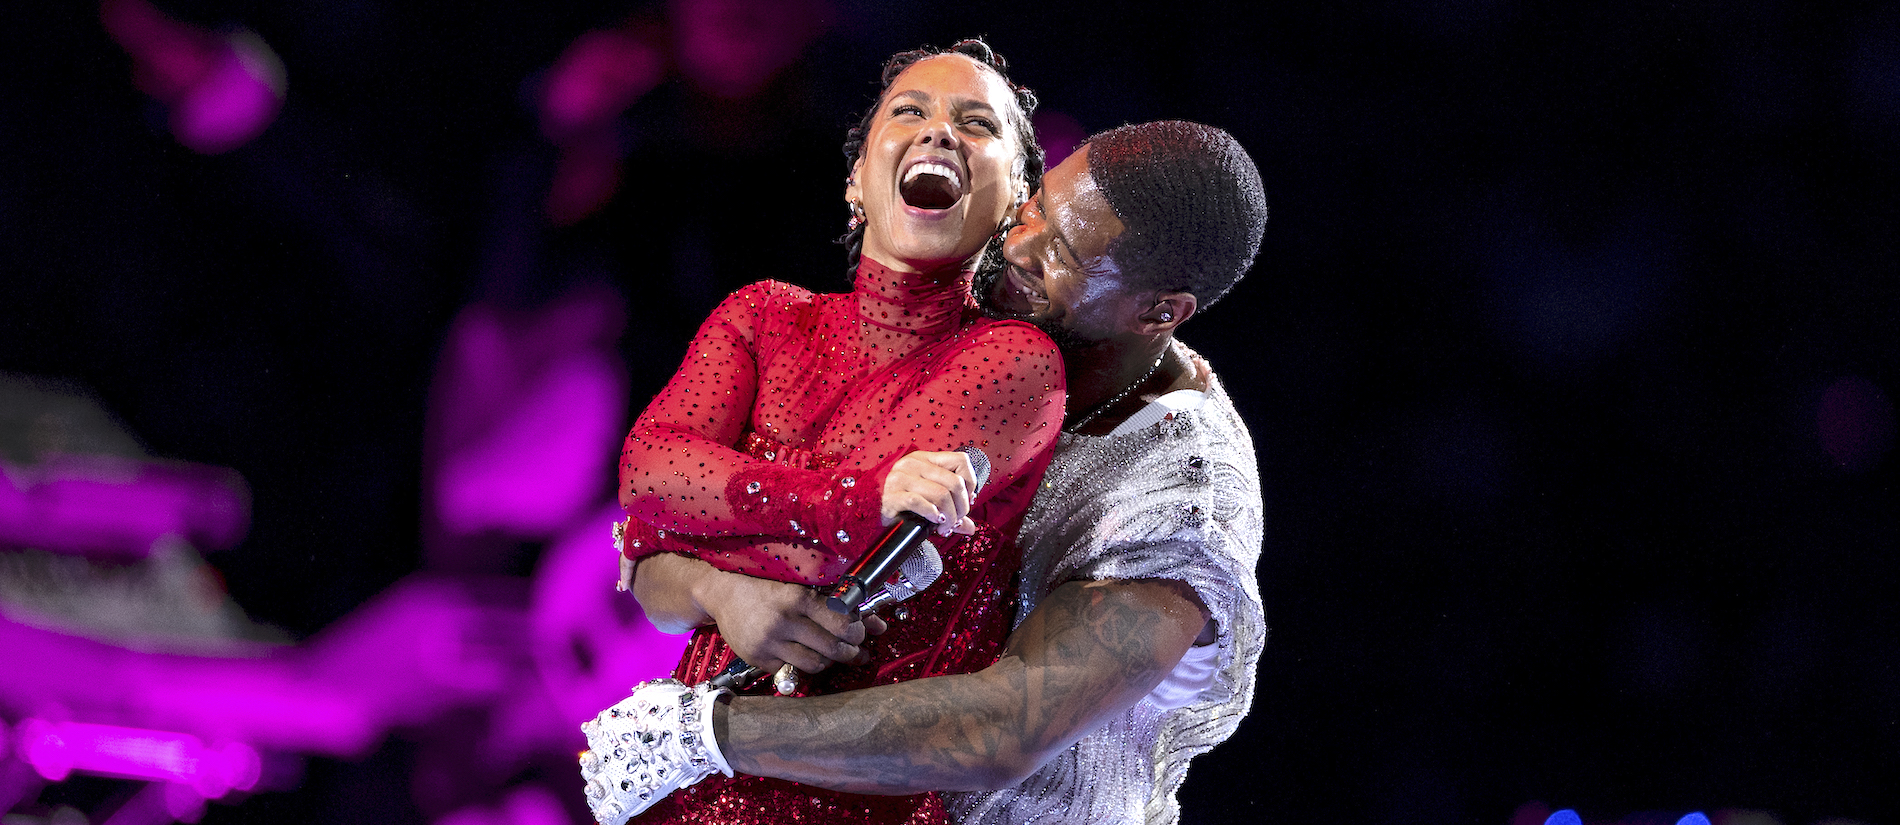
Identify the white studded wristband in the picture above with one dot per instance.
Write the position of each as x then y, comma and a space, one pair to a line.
652, 743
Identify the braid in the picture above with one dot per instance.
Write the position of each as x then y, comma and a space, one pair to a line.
1031, 161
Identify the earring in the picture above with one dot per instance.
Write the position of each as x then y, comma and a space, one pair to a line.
1166, 317
857, 216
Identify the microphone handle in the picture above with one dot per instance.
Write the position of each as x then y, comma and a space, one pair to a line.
876, 566
737, 676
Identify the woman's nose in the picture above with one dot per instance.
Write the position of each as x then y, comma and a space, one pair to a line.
939, 134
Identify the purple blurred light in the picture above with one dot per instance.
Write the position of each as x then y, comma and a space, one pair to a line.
733, 48
597, 77
160, 803
56, 749
234, 102
590, 641
223, 90
418, 650
1694, 818
528, 411
1855, 422
104, 504
527, 805
1059, 134
1564, 817
546, 458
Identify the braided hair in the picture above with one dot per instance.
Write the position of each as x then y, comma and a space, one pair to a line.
1030, 163
1191, 201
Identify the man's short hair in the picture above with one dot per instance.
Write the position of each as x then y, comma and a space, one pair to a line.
1191, 201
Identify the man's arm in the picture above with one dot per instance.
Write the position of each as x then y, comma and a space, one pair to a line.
1087, 652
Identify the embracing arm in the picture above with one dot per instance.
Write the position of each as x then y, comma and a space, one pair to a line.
1087, 652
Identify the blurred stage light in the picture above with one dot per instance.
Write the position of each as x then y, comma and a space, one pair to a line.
1059, 135
1564, 817
530, 410
118, 506
56, 749
222, 90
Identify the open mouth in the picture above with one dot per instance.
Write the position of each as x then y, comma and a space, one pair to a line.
931, 185
1013, 292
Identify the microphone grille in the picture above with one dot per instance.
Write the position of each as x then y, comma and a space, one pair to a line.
917, 573
979, 462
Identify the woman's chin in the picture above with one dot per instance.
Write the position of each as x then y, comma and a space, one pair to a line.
922, 252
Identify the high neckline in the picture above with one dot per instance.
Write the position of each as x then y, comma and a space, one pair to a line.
918, 303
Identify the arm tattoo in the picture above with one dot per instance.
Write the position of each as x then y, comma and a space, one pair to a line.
1088, 651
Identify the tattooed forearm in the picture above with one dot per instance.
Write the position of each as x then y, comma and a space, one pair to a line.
1087, 652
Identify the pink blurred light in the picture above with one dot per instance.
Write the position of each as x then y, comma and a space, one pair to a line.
235, 102
733, 48
56, 749
592, 643
105, 504
527, 805
420, 649
1059, 135
549, 455
598, 76
1855, 422
529, 411
223, 90
159, 803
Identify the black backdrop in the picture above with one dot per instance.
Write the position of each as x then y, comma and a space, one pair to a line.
1537, 352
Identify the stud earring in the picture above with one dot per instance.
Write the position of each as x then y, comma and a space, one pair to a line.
1167, 317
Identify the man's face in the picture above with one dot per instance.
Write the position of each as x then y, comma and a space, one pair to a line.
1060, 274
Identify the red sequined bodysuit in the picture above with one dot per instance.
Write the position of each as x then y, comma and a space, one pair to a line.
766, 455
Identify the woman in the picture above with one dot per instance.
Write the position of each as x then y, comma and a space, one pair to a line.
767, 452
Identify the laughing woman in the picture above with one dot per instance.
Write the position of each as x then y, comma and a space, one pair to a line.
799, 426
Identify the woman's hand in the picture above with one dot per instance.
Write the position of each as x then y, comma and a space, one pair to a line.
938, 486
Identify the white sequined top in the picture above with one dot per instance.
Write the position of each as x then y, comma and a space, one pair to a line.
1164, 496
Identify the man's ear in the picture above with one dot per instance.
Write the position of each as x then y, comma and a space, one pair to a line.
1169, 310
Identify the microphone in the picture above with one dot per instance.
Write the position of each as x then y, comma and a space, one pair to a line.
917, 573
867, 577
870, 584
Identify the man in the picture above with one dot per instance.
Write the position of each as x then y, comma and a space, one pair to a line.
1140, 622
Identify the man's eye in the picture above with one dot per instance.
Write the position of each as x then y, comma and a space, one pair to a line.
908, 109
983, 124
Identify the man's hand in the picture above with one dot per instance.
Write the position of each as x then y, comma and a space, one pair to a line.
767, 623
1089, 651
938, 486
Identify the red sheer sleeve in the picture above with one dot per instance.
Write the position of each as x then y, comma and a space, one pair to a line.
996, 385
682, 451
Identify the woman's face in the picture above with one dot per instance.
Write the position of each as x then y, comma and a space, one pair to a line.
939, 167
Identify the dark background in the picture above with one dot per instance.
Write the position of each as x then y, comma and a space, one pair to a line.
1537, 353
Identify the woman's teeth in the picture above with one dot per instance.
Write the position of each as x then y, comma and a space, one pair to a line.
931, 167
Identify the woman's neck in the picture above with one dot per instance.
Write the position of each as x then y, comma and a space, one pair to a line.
924, 302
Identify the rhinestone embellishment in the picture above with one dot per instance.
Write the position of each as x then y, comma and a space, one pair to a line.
844, 537
752, 487
848, 482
